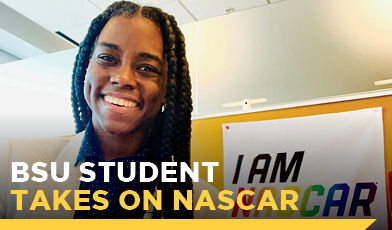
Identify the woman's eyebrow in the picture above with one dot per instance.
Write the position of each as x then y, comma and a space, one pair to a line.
150, 56
109, 45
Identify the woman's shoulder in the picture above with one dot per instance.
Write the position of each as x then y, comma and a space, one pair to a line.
37, 149
32, 150
29, 151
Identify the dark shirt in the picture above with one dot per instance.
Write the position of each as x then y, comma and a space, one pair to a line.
90, 151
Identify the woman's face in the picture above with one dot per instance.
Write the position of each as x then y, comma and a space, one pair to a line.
126, 78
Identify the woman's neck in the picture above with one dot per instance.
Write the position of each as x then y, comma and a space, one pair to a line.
116, 146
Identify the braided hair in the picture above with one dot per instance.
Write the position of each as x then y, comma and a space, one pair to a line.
171, 128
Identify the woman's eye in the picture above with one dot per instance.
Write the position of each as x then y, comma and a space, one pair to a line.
107, 58
147, 68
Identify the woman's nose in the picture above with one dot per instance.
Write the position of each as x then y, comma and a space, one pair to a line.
124, 78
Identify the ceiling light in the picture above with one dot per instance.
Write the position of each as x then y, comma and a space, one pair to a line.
241, 103
383, 82
259, 100
17, 46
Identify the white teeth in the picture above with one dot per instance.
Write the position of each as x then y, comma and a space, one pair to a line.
110, 99
119, 101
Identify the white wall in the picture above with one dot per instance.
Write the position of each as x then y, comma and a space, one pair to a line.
290, 51
35, 96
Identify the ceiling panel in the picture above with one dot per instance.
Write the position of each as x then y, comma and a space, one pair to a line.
24, 38
172, 7
76, 33
18, 47
56, 15
203, 9
102, 4
7, 57
178, 11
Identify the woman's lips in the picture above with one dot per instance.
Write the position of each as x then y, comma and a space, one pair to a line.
119, 101
118, 105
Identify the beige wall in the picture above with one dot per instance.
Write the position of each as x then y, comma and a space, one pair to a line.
290, 51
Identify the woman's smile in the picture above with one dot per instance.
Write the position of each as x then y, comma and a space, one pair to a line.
119, 101
119, 105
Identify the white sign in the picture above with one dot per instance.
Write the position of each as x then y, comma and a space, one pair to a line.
335, 162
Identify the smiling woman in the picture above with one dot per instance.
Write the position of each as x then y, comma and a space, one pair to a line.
126, 83
132, 104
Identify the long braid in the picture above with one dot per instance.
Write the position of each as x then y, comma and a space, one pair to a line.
168, 138
184, 100
184, 110
170, 133
180, 145
82, 112
170, 107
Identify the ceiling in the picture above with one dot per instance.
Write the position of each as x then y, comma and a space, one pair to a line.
28, 28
